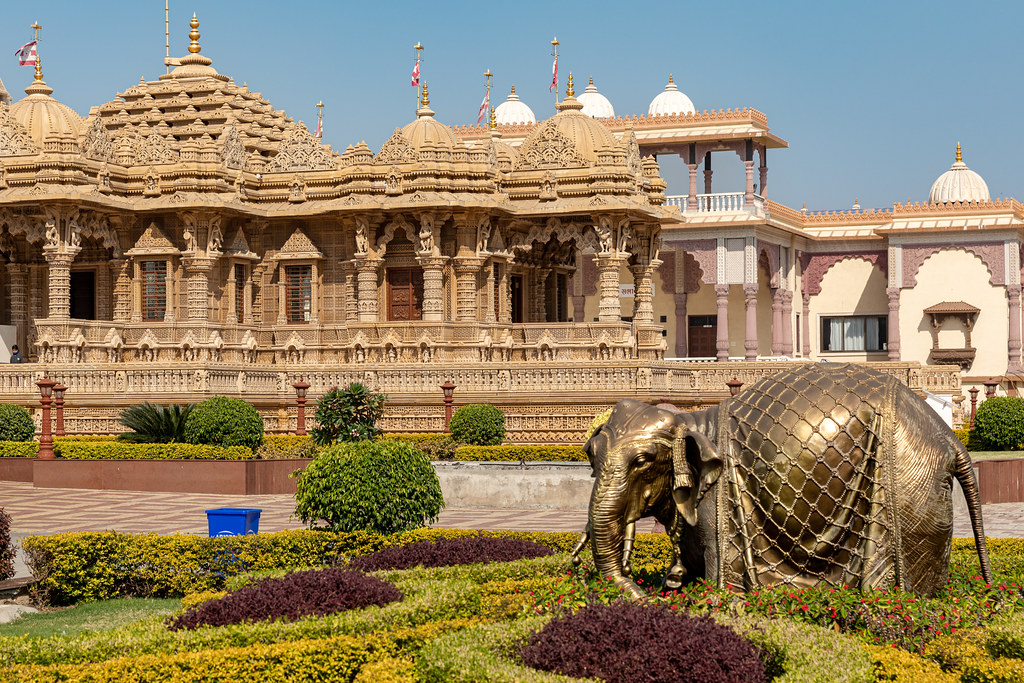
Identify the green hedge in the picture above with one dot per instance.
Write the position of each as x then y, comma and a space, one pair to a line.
87, 566
521, 453
19, 449
120, 450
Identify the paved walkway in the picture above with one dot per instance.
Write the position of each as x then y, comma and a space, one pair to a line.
49, 511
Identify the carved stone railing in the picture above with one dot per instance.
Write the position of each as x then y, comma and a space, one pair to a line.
543, 402
714, 202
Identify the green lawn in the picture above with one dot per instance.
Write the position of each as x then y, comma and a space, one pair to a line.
90, 616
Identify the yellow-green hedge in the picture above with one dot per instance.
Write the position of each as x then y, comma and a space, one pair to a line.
521, 453
121, 450
338, 658
86, 566
417, 437
19, 449
894, 665
965, 654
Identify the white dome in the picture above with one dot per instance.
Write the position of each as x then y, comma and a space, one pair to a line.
513, 111
670, 101
959, 184
595, 104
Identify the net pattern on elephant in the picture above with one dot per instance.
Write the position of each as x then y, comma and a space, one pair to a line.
806, 458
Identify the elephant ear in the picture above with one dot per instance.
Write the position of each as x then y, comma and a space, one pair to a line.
696, 465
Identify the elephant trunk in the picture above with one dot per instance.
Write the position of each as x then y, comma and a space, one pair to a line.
608, 528
964, 473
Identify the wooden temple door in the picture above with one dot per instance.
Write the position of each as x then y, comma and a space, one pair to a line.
701, 335
405, 294
516, 287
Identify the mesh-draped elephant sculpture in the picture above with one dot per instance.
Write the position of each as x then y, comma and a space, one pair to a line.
823, 474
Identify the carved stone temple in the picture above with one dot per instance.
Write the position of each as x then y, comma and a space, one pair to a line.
187, 239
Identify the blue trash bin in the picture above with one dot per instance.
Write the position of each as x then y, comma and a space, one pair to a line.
233, 521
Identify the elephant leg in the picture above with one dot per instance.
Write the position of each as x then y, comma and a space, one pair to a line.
581, 543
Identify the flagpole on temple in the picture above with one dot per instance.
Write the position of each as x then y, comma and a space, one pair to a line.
554, 68
487, 99
416, 71
320, 120
35, 39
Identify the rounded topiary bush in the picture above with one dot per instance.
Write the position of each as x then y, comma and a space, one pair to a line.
15, 423
223, 421
315, 592
999, 422
478, 424
377, 486
449, 552
7, 550
629, 642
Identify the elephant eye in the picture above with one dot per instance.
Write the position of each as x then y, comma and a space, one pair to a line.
641, 460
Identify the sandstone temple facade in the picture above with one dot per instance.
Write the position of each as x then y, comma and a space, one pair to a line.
187, 238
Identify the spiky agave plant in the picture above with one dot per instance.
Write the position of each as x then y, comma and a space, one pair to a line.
154, 424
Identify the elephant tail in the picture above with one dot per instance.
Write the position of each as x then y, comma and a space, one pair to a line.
969, 483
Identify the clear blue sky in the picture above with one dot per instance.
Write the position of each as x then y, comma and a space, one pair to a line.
872, 96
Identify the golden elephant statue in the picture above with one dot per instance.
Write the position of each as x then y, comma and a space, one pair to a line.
820, 475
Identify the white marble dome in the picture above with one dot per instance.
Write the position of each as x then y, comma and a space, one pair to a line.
513, 110
959, 184
670, 101
595, 105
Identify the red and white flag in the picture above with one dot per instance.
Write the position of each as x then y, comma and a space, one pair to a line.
554, 75
319, 128
483, 107
416, 74
26, 54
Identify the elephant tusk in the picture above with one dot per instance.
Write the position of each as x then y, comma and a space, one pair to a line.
627, 547
580, 544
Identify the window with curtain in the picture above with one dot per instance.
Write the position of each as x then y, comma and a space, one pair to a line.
154, 289
854, 333
298, 293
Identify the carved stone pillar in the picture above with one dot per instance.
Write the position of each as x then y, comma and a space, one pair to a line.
348, 273
777, 321
805, 324
722, 340
748, 196
466, 269
198, 294
433, 286
763, 180
1013, 339
609, 309
894, 322
643, 292
248, 301
707, 173
104, 293
505, 295
540, 295
490, 315
59, 283
579, 309
691, 201
17, 275
369, 309
135, 293
750, 327
681, 328
787, 322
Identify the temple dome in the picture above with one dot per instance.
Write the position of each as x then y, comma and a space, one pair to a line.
596, 105
670, 101
428, 131
586, 135
512, 110
43, 116
959, 184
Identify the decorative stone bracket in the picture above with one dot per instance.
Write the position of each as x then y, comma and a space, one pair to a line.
938, 313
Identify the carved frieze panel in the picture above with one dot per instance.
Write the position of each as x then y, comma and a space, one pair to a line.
396, 150
97, 143
549, 147
300, 151
14, 139
299, 246
232, 150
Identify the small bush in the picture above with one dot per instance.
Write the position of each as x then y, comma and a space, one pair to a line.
19, 449
1000, 422
223, 421
154, 424
15, 423
285, 446
348, 414
379, 486
627, 641
317, 592
520, 453
450, 552
478, 424
598, 420
7, 550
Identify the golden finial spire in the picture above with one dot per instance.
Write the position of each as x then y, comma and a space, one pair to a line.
569, 92
513, 90
193, 35
426, 97
959, 158
670, 78
493, 122
591, 80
